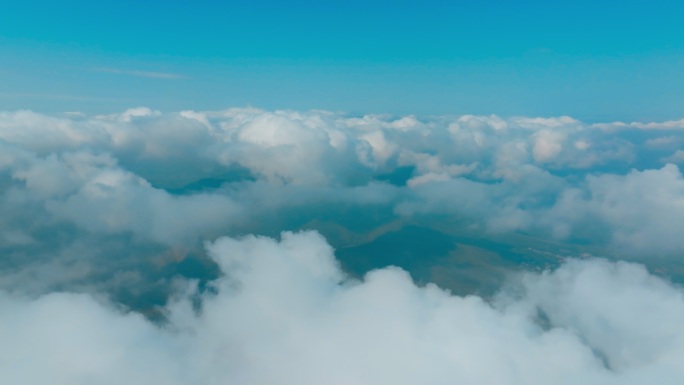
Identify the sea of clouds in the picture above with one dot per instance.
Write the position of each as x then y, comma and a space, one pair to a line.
146, 247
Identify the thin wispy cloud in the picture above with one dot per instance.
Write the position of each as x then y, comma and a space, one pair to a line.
139, 73
51, 96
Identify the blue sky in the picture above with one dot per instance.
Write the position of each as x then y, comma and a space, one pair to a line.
596, 61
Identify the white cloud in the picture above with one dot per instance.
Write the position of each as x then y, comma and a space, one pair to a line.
668, 125
117, 206
677, 157
284, 313
627, 315
641, 210
45, 134
504, 174
547, 144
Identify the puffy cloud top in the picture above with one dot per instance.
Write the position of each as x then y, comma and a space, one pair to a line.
284, 312
115, 268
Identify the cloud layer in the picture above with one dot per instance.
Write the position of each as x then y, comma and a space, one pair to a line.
284, 312
127, 255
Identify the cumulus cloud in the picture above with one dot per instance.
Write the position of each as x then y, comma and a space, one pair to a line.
640, 210
172, 180
127, 255
284, 312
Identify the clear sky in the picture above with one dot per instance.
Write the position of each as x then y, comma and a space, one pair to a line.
594, 60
